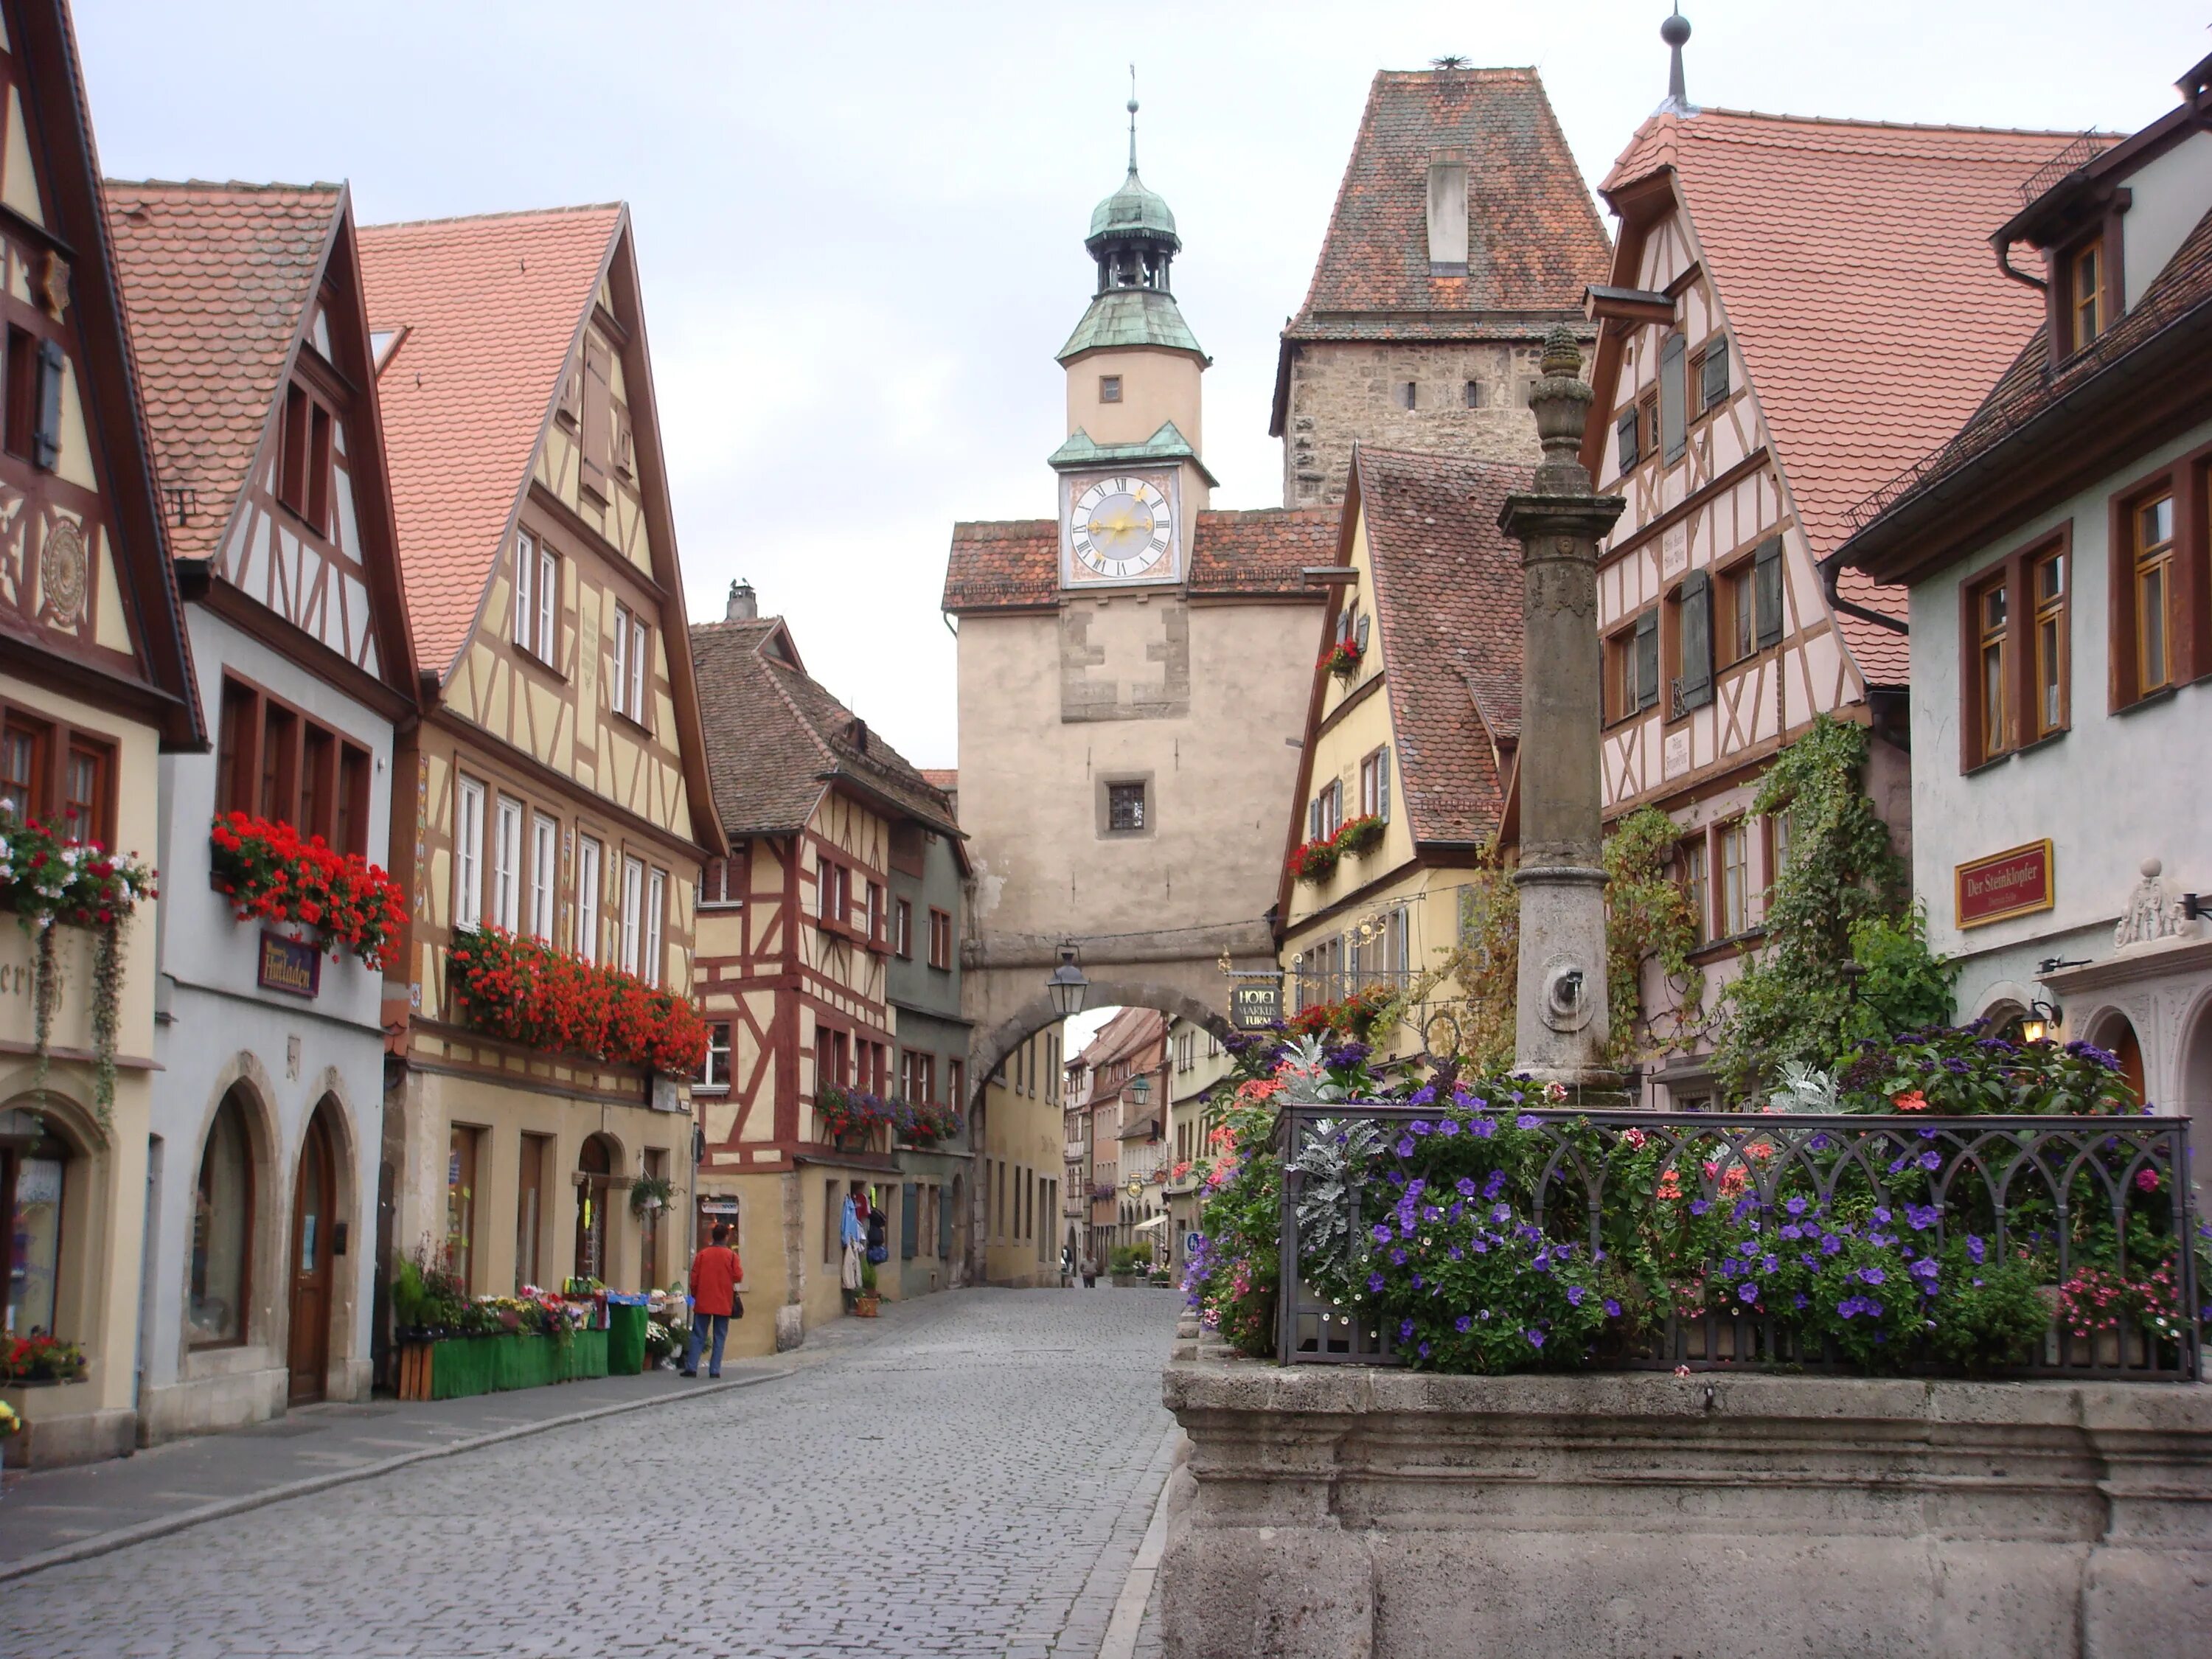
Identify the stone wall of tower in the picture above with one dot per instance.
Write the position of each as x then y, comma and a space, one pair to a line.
1343, 391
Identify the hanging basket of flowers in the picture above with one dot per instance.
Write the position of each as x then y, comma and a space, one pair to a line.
1341, 658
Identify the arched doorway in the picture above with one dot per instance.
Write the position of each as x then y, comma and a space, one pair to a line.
314, 1225
595, 1167
217, 1312
2116, 1034
2194, 1072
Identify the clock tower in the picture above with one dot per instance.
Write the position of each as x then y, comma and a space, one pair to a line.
1131, 482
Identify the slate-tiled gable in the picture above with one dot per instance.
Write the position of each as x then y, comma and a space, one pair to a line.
1851, 263
777, 738
1014, 565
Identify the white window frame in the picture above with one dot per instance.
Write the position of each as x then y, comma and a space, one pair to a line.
632, 895
715, 1073
506, 867
525, 569
656, 901
544, 874
640, 666
549, 604
468, 854
618, 686
587, 898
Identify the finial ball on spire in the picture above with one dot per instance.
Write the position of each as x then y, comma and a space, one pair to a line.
1676, 30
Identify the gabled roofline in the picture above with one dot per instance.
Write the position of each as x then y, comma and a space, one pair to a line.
1309, 734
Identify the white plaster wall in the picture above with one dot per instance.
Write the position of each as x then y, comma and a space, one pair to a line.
2115, 790
214, 1024
2169, 194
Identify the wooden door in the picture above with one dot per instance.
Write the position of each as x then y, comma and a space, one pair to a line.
313, 1199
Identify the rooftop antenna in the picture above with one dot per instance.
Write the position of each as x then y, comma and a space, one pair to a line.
1675, 31
1133, 120
1450, 60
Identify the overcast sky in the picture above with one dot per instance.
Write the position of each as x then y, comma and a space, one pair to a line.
861, 226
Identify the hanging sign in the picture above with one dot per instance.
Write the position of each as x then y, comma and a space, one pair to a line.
1255, 1004
290, 965
2013, 883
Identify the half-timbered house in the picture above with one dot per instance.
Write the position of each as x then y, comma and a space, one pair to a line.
1411, 730
795, 943
246, 314
1796, 309
95, 685
556, 789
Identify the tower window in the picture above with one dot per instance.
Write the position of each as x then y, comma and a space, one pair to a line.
1125, 807
1477, 395
1406, 392
1109, 388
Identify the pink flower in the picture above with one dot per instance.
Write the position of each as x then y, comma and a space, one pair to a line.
2147, 1180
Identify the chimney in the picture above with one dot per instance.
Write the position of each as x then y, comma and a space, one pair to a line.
744, 605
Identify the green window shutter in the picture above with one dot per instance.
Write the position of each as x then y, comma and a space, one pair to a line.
1382, 783
1766, 587
46, 429
1626, 429
908, 1220
1647, 660
1313, 819
1674, 426
1695, 685
1715, 387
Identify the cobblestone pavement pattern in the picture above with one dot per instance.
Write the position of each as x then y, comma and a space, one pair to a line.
976, 1481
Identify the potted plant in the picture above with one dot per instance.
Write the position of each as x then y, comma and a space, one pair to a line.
1314, 860
1128, 1262
649, 1194
1341, 658
864, 1303
1360, 834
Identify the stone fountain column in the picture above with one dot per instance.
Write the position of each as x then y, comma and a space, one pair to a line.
1562, 987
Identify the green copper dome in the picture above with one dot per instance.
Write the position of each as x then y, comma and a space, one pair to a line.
1132, 211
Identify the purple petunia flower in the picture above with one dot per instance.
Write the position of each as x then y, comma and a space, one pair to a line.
1527, 1120
1375, 1283
1794, 1206
1612, 1308
1455, 1253
1424, 1351
1749, 1246
1397, 1258
1830, 1244
1770, 1264
1747, 1291
1975, 1249
1417, 1281
1502, 1213
1799, 1302
1404, 1329
1424, 1095
1882, 1216
1463, 1324
1419, 1126
1482, 1127
1380, 1233
1931, 1160
1405, 1145
1699, 1206
1574, 1296
1793, 1232
1872, 1276
1466, 1185
1921, 1217
1535, 1338
1818, 1144
1448, 1127
1495, 1185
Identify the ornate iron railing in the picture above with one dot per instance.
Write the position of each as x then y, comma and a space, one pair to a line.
1991, 1174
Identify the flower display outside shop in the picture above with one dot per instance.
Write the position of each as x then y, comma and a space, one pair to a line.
925, 1122
1342, 657
516, 988
848, 1112
46, 879
40, 1359
269, 872
1459, 1226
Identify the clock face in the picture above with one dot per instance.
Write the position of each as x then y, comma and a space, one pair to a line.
1121, 528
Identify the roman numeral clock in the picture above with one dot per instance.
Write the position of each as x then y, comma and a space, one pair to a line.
1120, 527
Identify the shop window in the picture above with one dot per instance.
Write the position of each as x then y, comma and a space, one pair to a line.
463, 1147
594, 1196
222, 1231
33, 1183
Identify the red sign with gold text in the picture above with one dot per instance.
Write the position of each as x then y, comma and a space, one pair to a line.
2012, 883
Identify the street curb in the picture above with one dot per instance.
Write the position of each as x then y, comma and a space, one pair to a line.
1128, 1616
123, 1537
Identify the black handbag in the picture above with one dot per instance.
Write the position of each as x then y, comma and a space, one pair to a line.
737, 1305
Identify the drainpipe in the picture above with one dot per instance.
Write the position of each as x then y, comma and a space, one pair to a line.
1837, 602
2005, 264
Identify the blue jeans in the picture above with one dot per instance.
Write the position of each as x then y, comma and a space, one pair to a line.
699, 1323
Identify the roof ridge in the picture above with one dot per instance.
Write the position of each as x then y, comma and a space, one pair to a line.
1459, 69
271, 184
574, 210
1869, 124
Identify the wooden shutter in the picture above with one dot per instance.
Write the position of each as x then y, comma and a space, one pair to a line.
597, 423
1673, 427
46, 435
908, 1195
1715, 378
1696, 682
1647, 660
1766, 585
1382, 783
1313, 819
1624, 427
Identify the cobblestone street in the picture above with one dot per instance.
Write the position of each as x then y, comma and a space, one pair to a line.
974, 1479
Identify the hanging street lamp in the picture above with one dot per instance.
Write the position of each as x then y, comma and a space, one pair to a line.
1069, 989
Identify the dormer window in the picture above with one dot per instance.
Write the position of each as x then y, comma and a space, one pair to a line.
2087, 300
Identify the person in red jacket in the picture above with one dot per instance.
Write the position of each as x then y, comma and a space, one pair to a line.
715, 1272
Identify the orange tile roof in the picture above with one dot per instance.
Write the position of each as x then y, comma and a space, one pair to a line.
1014, 565
1535, 237
217, 278
491, 306
1852, 265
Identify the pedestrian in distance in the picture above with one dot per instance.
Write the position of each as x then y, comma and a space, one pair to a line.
715, 1272
1089, 1273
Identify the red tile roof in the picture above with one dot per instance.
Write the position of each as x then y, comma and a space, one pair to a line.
1014, 565
217, 278
777, 738
491, 306
1535, 237
1447, 606
1852, 265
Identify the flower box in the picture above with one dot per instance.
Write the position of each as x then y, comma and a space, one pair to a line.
1314, 860
1342, 658
522, 991
268, 871
1360, 834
